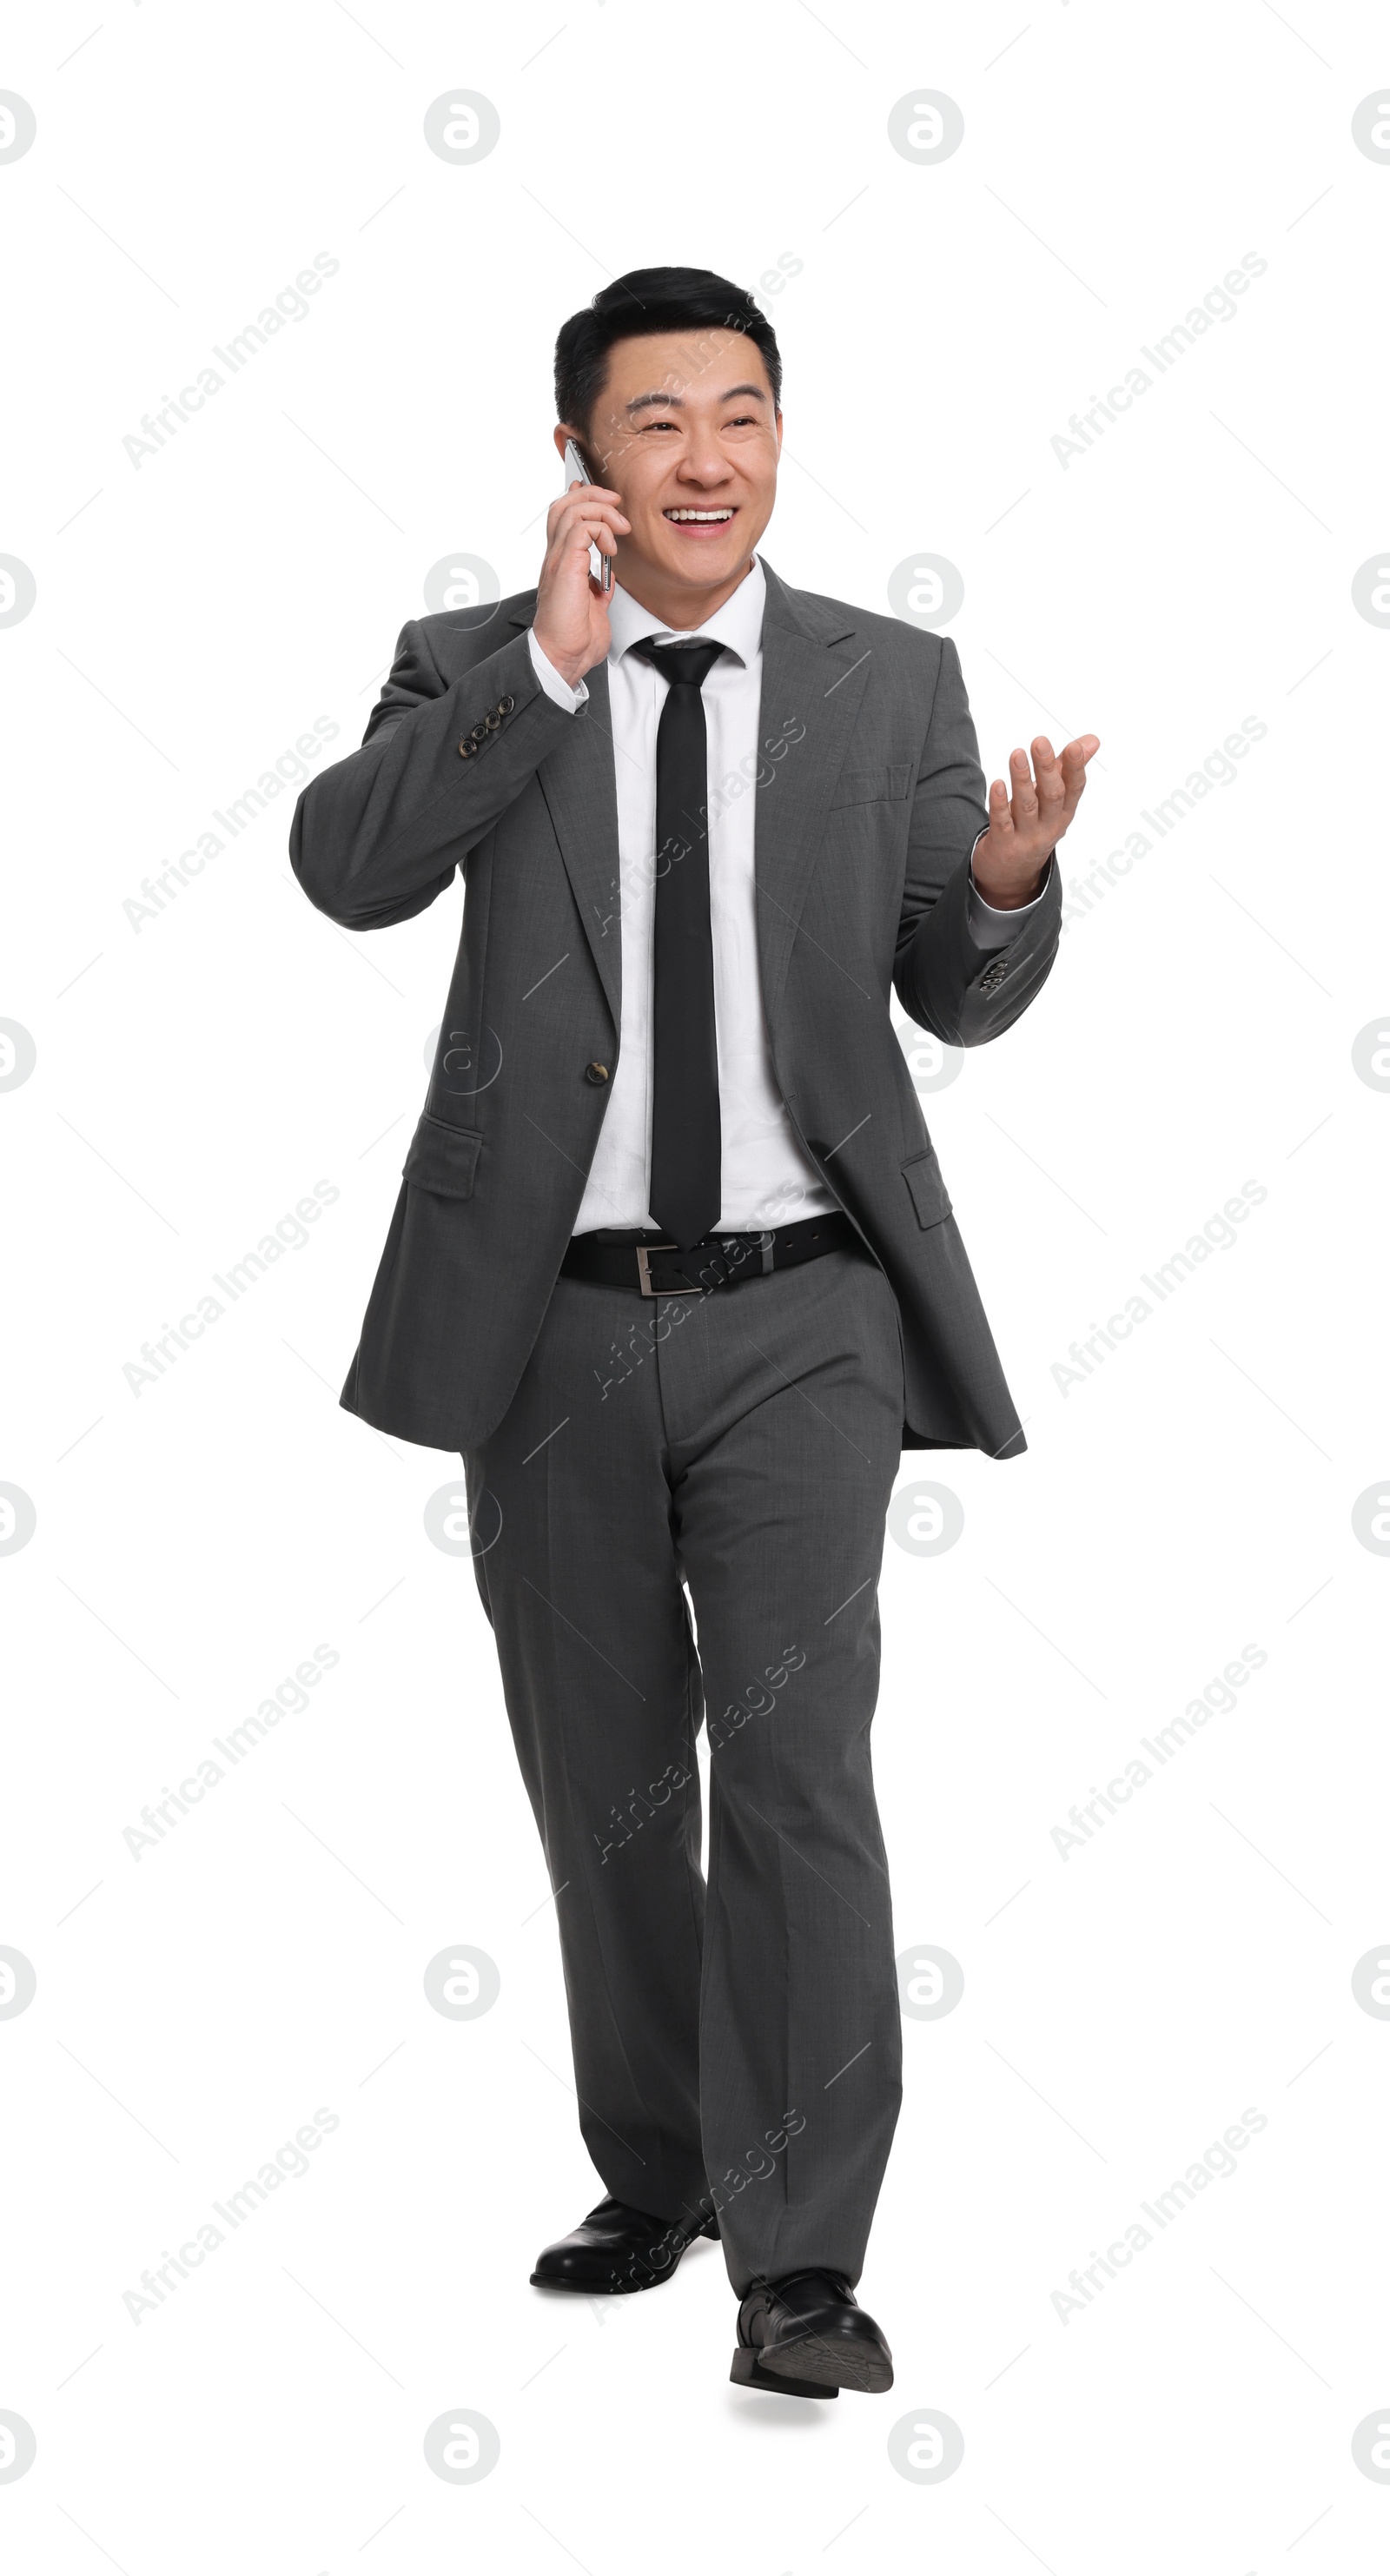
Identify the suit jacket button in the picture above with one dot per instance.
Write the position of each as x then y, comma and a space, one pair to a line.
466, 750
596, 1073
505, 705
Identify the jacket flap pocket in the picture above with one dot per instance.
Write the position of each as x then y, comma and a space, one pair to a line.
869, 786
442, 1158
929, 1193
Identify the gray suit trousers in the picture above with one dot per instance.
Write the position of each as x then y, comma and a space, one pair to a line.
736, 2046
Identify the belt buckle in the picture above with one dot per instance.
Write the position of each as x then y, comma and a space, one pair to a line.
644, 1275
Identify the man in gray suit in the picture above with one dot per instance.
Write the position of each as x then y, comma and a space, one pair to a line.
674, 1265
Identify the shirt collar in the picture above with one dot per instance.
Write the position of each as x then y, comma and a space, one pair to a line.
738, 625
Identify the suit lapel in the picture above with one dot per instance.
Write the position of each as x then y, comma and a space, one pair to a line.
815, 671
578, 784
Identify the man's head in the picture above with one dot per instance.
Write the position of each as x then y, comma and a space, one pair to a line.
670, 385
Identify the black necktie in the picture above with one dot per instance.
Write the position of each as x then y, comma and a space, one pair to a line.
685, 1183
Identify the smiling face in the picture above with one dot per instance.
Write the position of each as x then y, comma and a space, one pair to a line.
685, 431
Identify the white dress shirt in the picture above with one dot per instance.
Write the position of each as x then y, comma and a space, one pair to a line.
767, 1177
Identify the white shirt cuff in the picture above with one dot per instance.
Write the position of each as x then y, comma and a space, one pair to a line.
561, 692
989, 927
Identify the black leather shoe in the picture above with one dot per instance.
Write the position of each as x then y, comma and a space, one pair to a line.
617, 2248
806, 2336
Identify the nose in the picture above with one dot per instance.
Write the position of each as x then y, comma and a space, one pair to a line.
702, 461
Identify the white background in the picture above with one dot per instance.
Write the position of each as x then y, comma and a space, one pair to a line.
197, 1074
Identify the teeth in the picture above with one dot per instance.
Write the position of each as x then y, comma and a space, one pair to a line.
697, 514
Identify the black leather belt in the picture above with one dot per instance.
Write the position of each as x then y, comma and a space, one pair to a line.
651, 1268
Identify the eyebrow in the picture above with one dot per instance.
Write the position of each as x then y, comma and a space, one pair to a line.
646, 402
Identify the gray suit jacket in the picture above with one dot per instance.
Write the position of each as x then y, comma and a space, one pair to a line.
869, 800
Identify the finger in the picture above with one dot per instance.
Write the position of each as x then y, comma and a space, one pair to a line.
578, 534
1051, 778
1024, 798
1074, 760
1001, 820
587, 531
577, 508
606, 532
570, 562
597, 496
574, 549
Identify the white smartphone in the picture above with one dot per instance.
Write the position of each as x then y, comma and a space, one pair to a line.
576, 471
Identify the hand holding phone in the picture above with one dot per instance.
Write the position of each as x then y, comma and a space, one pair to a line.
572, 601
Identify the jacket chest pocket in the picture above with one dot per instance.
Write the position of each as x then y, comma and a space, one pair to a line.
886, 786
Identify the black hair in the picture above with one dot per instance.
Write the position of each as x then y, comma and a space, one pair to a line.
648, 300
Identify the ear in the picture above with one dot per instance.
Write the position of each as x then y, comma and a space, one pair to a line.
564, 431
